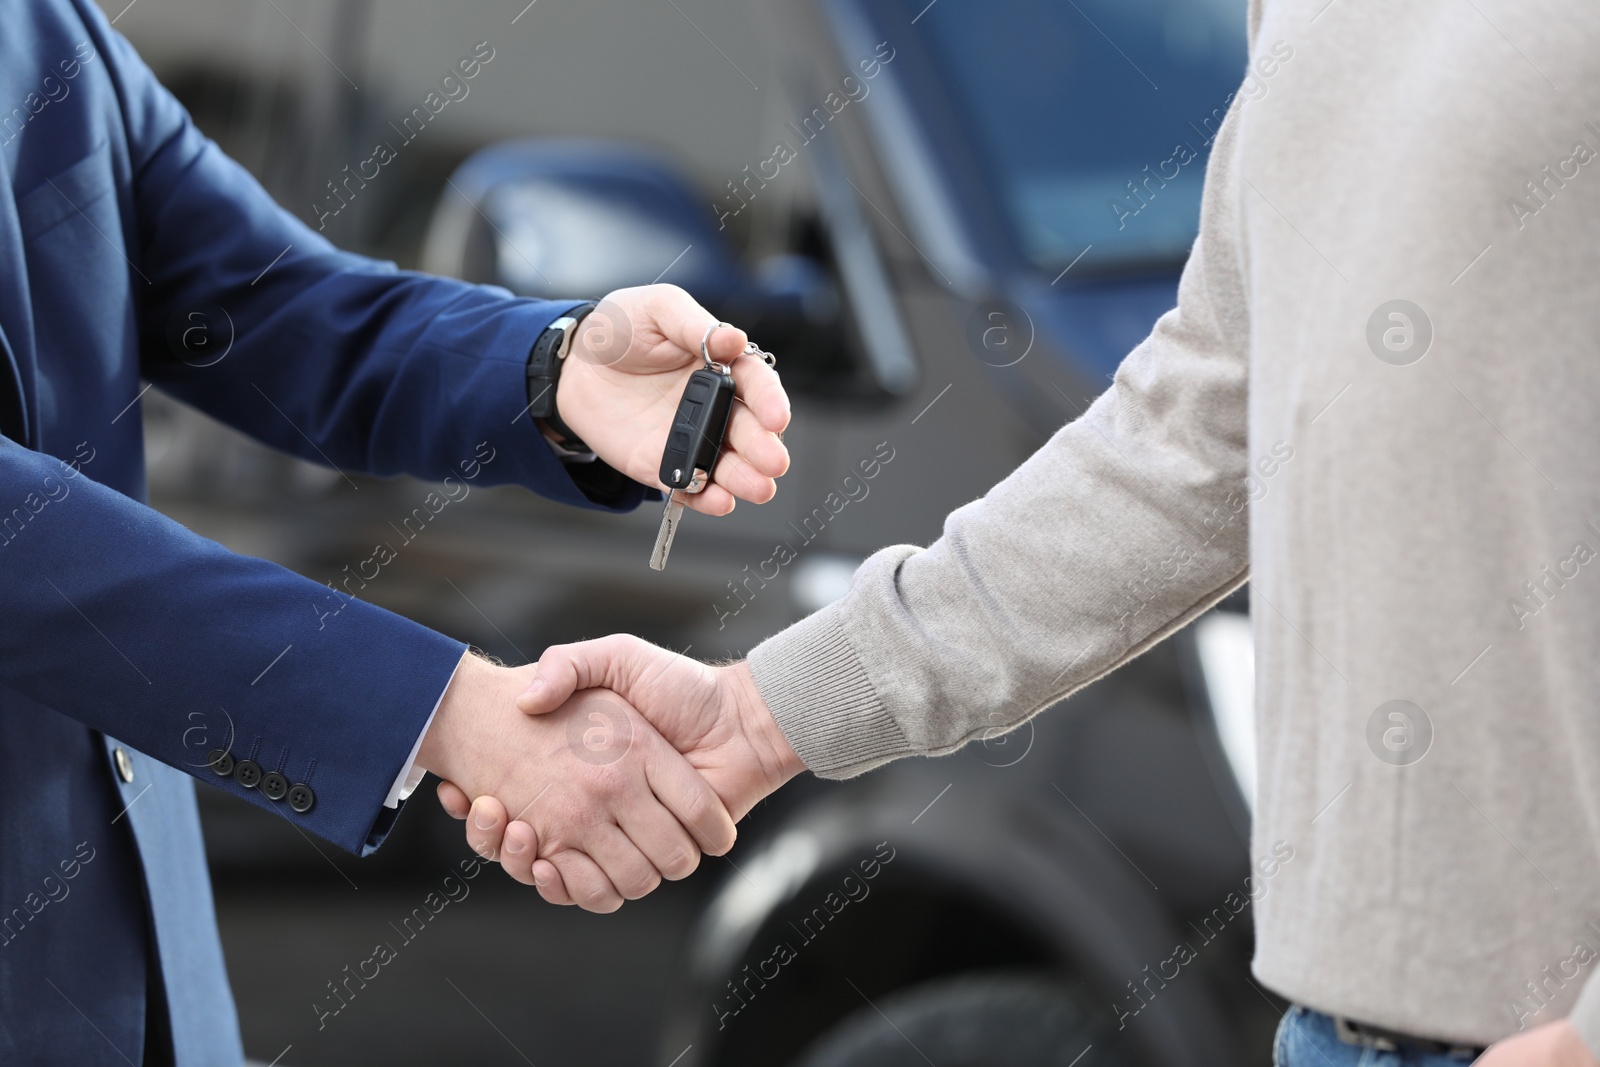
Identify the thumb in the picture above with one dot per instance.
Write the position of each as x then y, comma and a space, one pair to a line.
616, 663
555, 679
455, 802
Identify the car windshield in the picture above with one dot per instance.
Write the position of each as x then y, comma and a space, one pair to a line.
1092, 118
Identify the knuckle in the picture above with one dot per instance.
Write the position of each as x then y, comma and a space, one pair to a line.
682, 862
576, 809
601, 901
608, 784
702, 812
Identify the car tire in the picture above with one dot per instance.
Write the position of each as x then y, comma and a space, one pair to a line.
1001, 1019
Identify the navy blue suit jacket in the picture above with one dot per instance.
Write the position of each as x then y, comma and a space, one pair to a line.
120, 628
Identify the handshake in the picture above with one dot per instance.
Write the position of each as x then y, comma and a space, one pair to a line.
612, 764
605, 767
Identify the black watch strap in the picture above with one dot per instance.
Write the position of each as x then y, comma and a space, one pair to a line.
545, 362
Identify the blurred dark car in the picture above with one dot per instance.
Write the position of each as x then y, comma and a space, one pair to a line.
973, 213
1003, 197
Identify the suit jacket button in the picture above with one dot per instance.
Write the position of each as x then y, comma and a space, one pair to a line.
247, 773
274, 786
301, 798
119, 756
220, 761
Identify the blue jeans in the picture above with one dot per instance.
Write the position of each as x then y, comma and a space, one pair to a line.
1307, 1038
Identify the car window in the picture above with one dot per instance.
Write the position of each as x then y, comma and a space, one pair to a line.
1092, 118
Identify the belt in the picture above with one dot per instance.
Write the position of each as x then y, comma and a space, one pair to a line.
1366, 1035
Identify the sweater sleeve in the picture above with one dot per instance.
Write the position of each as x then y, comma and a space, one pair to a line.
1127, 524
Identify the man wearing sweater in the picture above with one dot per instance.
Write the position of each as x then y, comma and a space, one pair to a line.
1393, 279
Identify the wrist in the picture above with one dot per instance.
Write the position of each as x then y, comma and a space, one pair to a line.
565, 392
779, 761
477, 689
547, 361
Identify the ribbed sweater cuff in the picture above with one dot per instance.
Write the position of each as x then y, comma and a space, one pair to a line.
816, 688
1585, 1017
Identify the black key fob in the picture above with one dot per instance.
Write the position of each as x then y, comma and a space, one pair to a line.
695, 440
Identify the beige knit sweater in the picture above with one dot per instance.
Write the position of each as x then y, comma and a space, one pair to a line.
1412, 489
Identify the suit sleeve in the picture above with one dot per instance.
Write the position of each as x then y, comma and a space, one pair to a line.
122, 619
339, 359
1126, 525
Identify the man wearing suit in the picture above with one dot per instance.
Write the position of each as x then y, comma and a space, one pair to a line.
135, 655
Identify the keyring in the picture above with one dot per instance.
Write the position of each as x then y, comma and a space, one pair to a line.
753, 349
705, 346
750, 349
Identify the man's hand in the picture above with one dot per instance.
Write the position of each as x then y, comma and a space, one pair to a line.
626, 372
1555, 1044
593, 787
713, 715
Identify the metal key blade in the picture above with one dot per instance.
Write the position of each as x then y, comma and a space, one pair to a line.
669, 526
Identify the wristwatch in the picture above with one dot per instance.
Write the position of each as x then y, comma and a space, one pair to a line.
549, 355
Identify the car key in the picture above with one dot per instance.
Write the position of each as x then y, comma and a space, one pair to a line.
693, 444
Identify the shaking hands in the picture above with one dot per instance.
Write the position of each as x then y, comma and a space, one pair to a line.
610, 819
556, 771
659, 718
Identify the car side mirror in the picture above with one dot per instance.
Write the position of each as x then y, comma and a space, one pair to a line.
565, 218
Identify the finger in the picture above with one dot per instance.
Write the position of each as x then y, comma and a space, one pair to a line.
585, 882
738, 477
759, 386
757, 445
713, 500
686, 795
652, 824
629, 871
519, 850
549, 883
662, 839
726, 345
455, 803
612, 662
684, 322
486, 826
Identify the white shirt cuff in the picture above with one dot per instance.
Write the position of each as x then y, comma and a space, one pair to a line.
411, 775
565, 454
